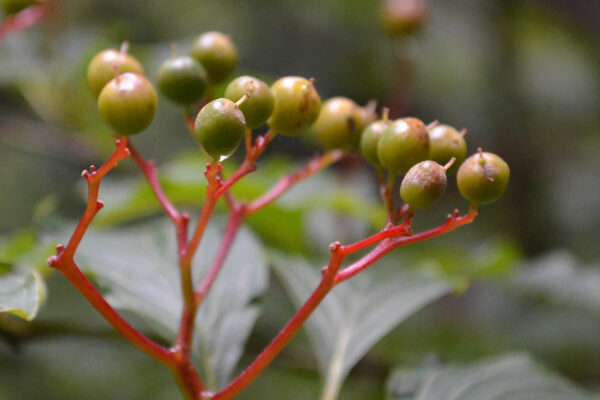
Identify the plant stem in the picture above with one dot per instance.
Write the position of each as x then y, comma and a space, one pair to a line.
287, 333
286, 182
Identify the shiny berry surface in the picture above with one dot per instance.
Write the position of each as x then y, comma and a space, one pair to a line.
257, 108
423, 184
370, 139
297, 105
101, 68
219, 128
403, 144
128, 103
217, 53
182, 80
483, 177
339, 124
445, 143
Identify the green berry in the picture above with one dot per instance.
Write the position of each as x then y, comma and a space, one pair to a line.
403, 144
220, 126
483, 177
402, 17
11, 7
217, 53
182, 80
128, 103
339, 124
423, 184
445, 143
370, 139
297, 105
101, 69
258, 106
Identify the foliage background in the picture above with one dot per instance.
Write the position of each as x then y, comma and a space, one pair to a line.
523, 77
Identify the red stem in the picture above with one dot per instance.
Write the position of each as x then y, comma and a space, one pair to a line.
25, 18
453, 222
287, 333
315, 165
233, 225
63, 260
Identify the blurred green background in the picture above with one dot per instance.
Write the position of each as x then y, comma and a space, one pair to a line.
522, 76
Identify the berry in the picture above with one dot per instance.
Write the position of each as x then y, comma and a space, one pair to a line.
483, 177
220, 126
369, 139
11, 7
402, 17
258, 106
423, 184
403, 144
128, 103
182, 80
446, 142
297, 105
339, 124
101, 69
217, 53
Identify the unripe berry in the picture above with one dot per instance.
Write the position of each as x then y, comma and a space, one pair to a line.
445, 143
101, 69
423, 184
220, 126
182, 80
128, 103
297, 105
402, 17
217, 53
370, 137
11, 7
403, 144
258, 106
339, 124
483, 177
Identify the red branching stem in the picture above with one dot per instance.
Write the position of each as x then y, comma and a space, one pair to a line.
249, 164
452, 222
393, 231
286, 182
63, 260
233, 225
288, 332
151, 173
24, 19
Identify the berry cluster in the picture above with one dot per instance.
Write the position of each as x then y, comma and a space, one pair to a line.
127, 101
425, 154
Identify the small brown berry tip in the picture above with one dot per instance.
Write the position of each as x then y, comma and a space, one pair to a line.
449, 163
124, 47
242, 99
174, 50
335, 246
433, 124
312, 81
385, 114
371, 105
463, 132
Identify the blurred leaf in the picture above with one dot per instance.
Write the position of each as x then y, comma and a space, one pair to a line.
559, 277
22, 291
18, 244
509, 377
137, 266
356, 314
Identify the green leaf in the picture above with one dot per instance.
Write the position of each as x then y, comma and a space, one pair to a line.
559, 277
137, 267
22, 291
356, 314
509, 377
